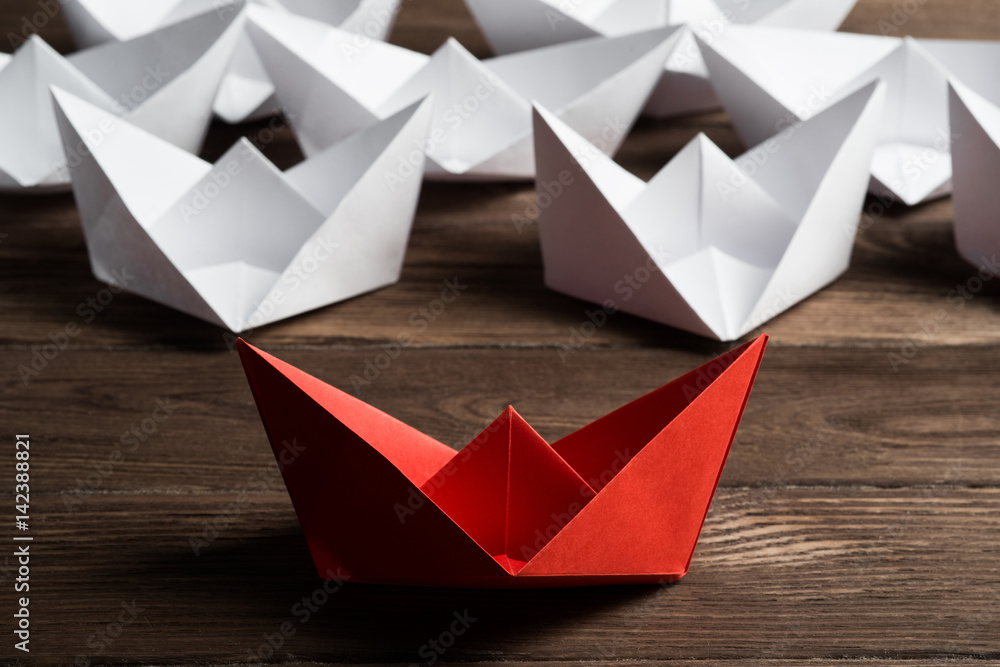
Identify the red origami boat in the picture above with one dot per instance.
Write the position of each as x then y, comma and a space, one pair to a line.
622, 500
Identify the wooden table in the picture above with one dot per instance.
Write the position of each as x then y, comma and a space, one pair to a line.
857, 519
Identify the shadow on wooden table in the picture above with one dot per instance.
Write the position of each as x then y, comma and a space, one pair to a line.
267, 586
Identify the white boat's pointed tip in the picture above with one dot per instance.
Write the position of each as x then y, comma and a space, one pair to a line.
453, 46
543, 114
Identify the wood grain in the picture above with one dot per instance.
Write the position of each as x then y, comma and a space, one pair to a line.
856, 522
817, 416
795, 574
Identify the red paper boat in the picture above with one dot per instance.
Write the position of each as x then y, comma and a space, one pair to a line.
621, 500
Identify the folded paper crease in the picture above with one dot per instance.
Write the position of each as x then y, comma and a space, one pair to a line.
481, 125
622, 500
240, 243
720, 245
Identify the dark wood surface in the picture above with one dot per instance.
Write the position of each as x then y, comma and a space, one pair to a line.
858, 518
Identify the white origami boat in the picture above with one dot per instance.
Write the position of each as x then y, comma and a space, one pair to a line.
767, 77
975, 121
711, 245
518, 25
163, 82
481, 125
246, 92
239, 243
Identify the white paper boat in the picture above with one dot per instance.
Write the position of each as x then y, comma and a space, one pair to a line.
711, 245
767, 77
163, 82
239, 243
975, 122
246, 92
518, 25
481, 125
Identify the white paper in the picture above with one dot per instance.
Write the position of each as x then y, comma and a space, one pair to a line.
975, 122
246, 92
518, 25
239, 243
163, 82
711, 245
481, 124
767, 76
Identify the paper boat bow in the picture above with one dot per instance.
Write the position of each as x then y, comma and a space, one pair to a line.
239, 243
518, 25
711, 245
621, 500
975, 124
766, 75
163, 82
481, 125
246, 92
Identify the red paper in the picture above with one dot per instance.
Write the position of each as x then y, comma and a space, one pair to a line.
621, 500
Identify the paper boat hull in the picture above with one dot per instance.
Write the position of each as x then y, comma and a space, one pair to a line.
380, 502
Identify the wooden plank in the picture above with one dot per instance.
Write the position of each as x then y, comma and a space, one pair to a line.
816, 416
813, 662
794, 575
902, 286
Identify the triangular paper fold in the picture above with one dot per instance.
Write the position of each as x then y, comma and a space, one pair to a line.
975, 121
684, 87
711, 245
622, 500
481, 124
246, 92
239, 243
768, 77
163, 82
